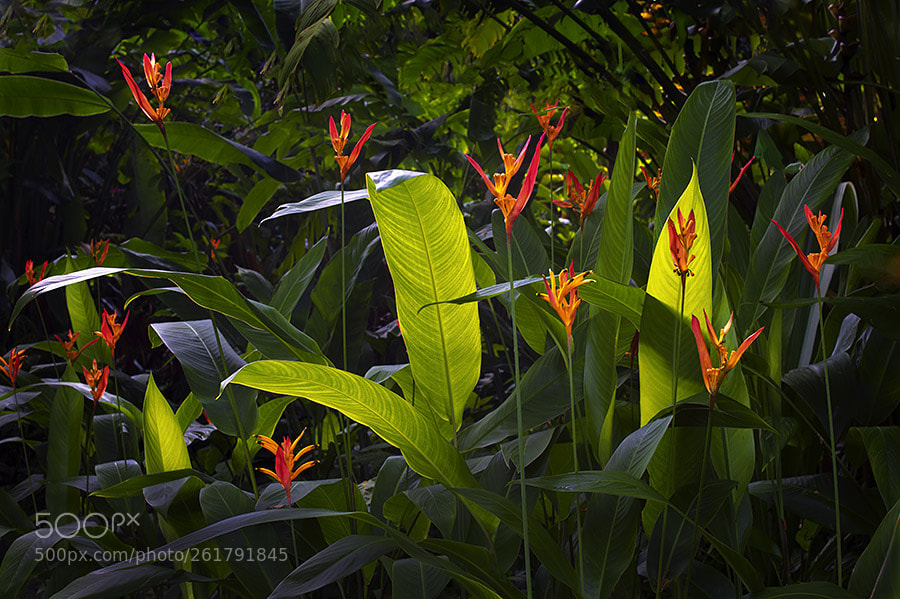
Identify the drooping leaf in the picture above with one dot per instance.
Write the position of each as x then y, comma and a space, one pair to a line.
24, 96
323, 199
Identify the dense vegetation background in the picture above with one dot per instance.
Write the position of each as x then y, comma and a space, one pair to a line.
806, 90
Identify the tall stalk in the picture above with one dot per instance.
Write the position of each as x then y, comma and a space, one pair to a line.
519, 426
674, 449
571, 368
552, 212
345, 432
703, 468
834, 470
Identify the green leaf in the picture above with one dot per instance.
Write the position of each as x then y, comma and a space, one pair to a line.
411, 578
254, 201
23, 96
616, 298
297, 279
198, 141
220, 501
343, 557
21, 557
85, 319
702, 141
727, 413
488, 292
882, 445
805, 590
427, 250
876, 575
164, 447
543, 544
18, 61
64, 446
197, 346
323, 199
614, 261
388, 415
135, 484
597, 481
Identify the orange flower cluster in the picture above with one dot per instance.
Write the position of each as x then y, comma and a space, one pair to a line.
827, 240
680, 242
159, 87
71, 352
581, 199
11, 367
713, 377
29, 272
338, 140
556, 295
96, 380
285, 458
509, 205
551, 132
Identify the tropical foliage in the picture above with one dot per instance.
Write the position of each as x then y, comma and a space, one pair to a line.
521, 299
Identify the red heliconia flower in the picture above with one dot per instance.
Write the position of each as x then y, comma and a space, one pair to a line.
713, 377
510, 206
581, 199
680, 242
96, 380
99, 251
339, 140
159, 86
827, 240
652, 182
543, 116
744, 168
11, 368
556, 296
72, 353
215, 245
29, 272
285, 458
110, 330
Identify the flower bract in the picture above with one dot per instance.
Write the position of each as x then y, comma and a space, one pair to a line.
285, 460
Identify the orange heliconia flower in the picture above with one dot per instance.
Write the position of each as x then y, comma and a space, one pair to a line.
159, 87
511, 206
285, 458
71, 352
29, 272
680, 242
99, 251
556, 295
543, 116
110, 330
339, 140
11, 368
827, 240
713, 377
215, 245
652, 182
581, 199
96, 380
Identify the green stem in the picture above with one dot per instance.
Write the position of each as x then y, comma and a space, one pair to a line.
674, 449
24, 448
519, 426
834, 469
571, 368
231, 398
703, 467
345, 427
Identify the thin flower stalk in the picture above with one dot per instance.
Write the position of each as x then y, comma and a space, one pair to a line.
511, 207
287, 460
713, 378
813, 264
160, 87
564, 299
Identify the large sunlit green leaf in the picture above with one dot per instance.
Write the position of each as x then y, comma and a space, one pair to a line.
164, 446
390, 416
64, 446
23, 95
702, 140
427, 250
